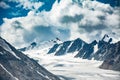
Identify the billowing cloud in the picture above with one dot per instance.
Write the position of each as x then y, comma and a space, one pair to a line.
32, 5
67, 19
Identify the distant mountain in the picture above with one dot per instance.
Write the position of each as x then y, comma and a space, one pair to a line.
36, 45
101, 53
110, 53
31, 46
86, 51
107, 51
78, 45
14, 65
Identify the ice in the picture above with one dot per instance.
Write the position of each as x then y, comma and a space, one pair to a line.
95, 48
69, 68
69, 46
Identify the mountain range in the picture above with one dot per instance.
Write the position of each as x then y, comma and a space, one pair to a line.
102, 50
107, 51
15, 65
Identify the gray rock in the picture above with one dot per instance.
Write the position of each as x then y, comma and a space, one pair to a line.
111, 56
15, 65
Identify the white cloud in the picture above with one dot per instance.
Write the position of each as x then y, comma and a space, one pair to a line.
4, 5
30, 5
98, 19
27, 4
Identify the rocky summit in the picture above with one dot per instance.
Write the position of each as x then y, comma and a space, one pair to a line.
84, 50
111, 55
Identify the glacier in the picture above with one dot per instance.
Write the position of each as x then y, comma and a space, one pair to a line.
69, 68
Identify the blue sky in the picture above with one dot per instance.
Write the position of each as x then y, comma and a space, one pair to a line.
17, 11
14, 11
42, 20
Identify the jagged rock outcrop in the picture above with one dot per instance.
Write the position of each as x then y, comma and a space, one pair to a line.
84, 49
14, 65
54, 48
66, 47
103, 48
63, 48
111, 56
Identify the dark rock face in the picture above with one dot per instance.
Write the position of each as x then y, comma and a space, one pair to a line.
66, 47
53, 49
103, 48
84, 49
77, 44
15, 65
63, 48
111, 56
109, 53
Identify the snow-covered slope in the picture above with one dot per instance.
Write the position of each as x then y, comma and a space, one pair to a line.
69, 68
103, 50
14, 65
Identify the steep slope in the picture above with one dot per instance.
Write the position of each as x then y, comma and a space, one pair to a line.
104, 45
66, 47
14, 65
86, 51
83, 49
111, 55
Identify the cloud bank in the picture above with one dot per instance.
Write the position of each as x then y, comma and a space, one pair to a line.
67, 19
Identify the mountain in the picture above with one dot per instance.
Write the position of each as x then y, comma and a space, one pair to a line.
103, 50
86, 50
39, 45
65, 47
103, 46
110, 53
14, 65
31, 46
83, 49
107, 52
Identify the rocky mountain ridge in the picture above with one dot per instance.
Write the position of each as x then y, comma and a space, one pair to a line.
107, 52
14, 65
